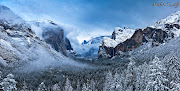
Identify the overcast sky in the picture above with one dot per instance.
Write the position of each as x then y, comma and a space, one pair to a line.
83, 19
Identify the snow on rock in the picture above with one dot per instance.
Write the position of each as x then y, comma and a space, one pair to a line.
89, 49
52, 34
170, 24
41, 26
108, 42
120, 35
7, 15
19, 47
173, 18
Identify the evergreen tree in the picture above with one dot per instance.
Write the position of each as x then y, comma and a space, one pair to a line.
68, 86
173, 67
92, 85
142, 73
56, 87
117, 85
0, 76
78, 88
8, 83
24, 88
130, 75
157, 79
108, 86
84, 88
175, 86
42, 87
0, 80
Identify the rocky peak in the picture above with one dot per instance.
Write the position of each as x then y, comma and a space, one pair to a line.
53, 34
126, 39
149, 34
89, 49
171, 20
8, 17
108, 44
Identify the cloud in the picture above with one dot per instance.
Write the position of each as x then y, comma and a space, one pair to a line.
83, 19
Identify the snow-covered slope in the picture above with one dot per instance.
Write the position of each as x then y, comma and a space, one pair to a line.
119, 35
52, 34
173, 18
170, 23
89, 49
20, 46
41, 26
146, 52
108, 42
7, 15
106, 47
124, 40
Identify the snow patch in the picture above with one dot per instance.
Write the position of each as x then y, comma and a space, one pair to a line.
108, 42
122, 35
119, 35
7, 15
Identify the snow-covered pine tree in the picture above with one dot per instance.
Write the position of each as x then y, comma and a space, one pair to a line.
122, 78
130, 75
0, 75
156, 78
92, 85
117, 85
8, 83
142, 73
24, 88
175, 86
108, 86
173, 67
84, 88
129, 88
42, 87
56, 87
68, 86
0, 80
78, 88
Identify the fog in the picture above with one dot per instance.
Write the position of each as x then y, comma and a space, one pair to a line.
46, 59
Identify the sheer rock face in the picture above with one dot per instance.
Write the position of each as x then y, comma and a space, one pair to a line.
159, 33
68, 44
55, 37
149, 34
135, 41
52, 34
105, 52
21, 47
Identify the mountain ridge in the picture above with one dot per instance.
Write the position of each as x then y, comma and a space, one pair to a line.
20, 46
157, 34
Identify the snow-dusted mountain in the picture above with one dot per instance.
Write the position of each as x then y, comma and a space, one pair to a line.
159, 33
118, 36
9, 17
89, 49
52, 34
19, 45
171, 23
96, 40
